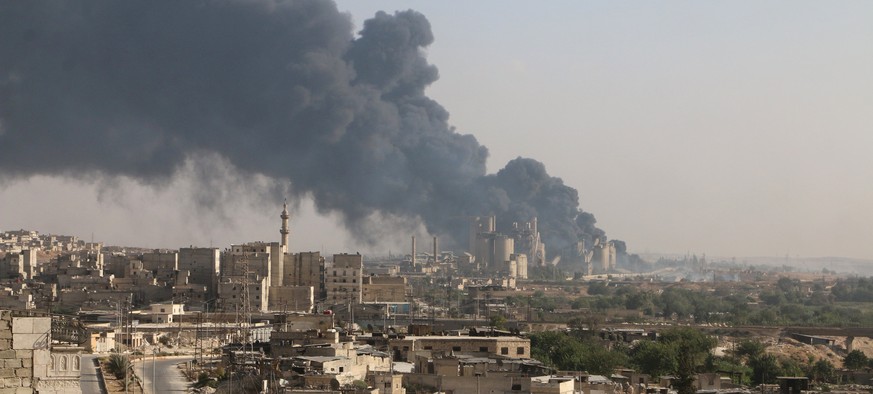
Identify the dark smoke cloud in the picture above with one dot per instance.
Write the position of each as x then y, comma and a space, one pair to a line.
277, 89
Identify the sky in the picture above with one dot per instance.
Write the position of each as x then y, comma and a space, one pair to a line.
724, 128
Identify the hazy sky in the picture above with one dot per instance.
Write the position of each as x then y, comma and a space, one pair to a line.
725, 128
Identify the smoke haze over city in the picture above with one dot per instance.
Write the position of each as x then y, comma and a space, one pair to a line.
198, 119
270, 99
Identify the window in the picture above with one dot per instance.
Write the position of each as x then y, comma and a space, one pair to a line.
519, 350
428, 348
483, 348
456, 348
504, 350
340, 369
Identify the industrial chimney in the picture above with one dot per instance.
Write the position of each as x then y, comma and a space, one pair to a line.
434, 250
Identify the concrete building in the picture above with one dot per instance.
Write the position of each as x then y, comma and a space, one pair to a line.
496, 253
604, 257
386, 382
519, 270
233, 291
292, 298
189, 293
305, 269
19, 264
506, 346
253, 257
203, 266
528, 241
382, 289
162, 264
552, 385
342, 279
343, 362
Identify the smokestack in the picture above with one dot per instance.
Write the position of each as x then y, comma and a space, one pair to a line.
475, 228
413, 250
434, 250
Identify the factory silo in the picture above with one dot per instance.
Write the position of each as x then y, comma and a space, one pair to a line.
504, 247
521, 266
483, 251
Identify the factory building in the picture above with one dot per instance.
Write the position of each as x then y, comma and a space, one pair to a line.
528, 242
498, 253
600, 259
604, 257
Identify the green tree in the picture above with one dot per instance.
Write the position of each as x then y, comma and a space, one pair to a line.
565, 352
691, 347
765, 369
822, 371
654, 358
856, 359
118, 365
749, 349
497, 321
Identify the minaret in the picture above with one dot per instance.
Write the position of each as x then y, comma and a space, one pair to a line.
284, 230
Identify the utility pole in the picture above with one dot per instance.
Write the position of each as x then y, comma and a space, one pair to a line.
154, 382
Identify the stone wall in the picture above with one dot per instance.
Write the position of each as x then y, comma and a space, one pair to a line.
27, 361
24, 341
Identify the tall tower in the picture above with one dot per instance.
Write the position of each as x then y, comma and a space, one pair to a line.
284, 230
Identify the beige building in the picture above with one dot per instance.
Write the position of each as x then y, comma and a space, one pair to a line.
162, 264
233, 291
512, 347
304, 269
382, 289
203, 266
19, 264
386, 382
342, 279
292, 298
252, 257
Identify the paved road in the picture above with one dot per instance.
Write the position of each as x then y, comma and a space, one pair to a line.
88, 379
168, 377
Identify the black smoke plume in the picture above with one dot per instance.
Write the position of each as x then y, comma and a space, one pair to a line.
277, 89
